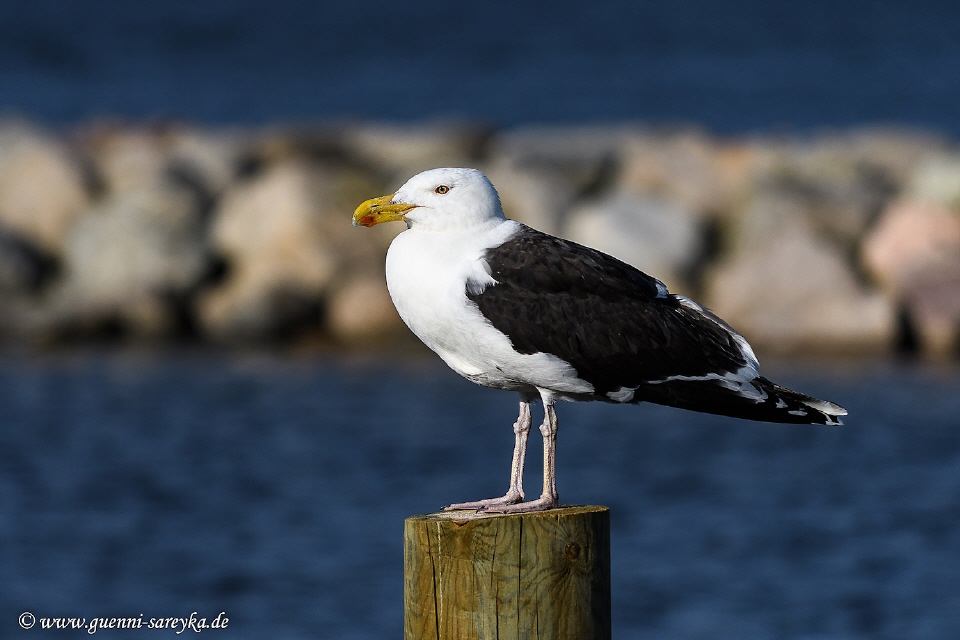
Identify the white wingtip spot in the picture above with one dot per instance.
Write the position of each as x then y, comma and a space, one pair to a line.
827, 407
623, 394
740, 382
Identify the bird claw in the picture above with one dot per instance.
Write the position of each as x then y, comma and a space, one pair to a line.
485, 505
506, 504
540, 504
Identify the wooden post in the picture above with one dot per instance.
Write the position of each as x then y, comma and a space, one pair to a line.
528, 576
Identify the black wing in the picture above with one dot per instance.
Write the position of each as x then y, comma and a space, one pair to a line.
613, 323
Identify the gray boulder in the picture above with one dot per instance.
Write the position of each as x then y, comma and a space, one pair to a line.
685, 167
400, 151
129, 262
540, 172
284, 236
789, 289
660, 238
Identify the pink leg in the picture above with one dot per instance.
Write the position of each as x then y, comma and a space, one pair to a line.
549, 498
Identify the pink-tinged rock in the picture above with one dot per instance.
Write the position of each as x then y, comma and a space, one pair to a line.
911, 237
914, 252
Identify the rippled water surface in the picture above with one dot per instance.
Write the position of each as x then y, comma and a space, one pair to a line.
274, 489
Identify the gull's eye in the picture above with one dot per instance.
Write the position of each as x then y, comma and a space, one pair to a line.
442, 189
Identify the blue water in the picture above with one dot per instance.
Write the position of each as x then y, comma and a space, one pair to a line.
274, 488
731, 65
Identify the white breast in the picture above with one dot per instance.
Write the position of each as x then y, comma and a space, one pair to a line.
426, 276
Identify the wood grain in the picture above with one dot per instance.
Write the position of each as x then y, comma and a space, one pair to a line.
539, 575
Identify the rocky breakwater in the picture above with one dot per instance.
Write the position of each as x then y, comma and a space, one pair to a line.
844, 241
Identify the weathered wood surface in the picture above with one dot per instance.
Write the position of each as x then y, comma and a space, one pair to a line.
528, 576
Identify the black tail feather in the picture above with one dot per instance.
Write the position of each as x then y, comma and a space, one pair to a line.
760, 399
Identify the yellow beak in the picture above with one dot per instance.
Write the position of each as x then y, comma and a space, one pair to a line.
379, 210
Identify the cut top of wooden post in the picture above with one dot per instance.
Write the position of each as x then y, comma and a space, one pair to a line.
543, 575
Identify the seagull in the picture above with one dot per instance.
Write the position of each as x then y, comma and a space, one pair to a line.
509, 307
